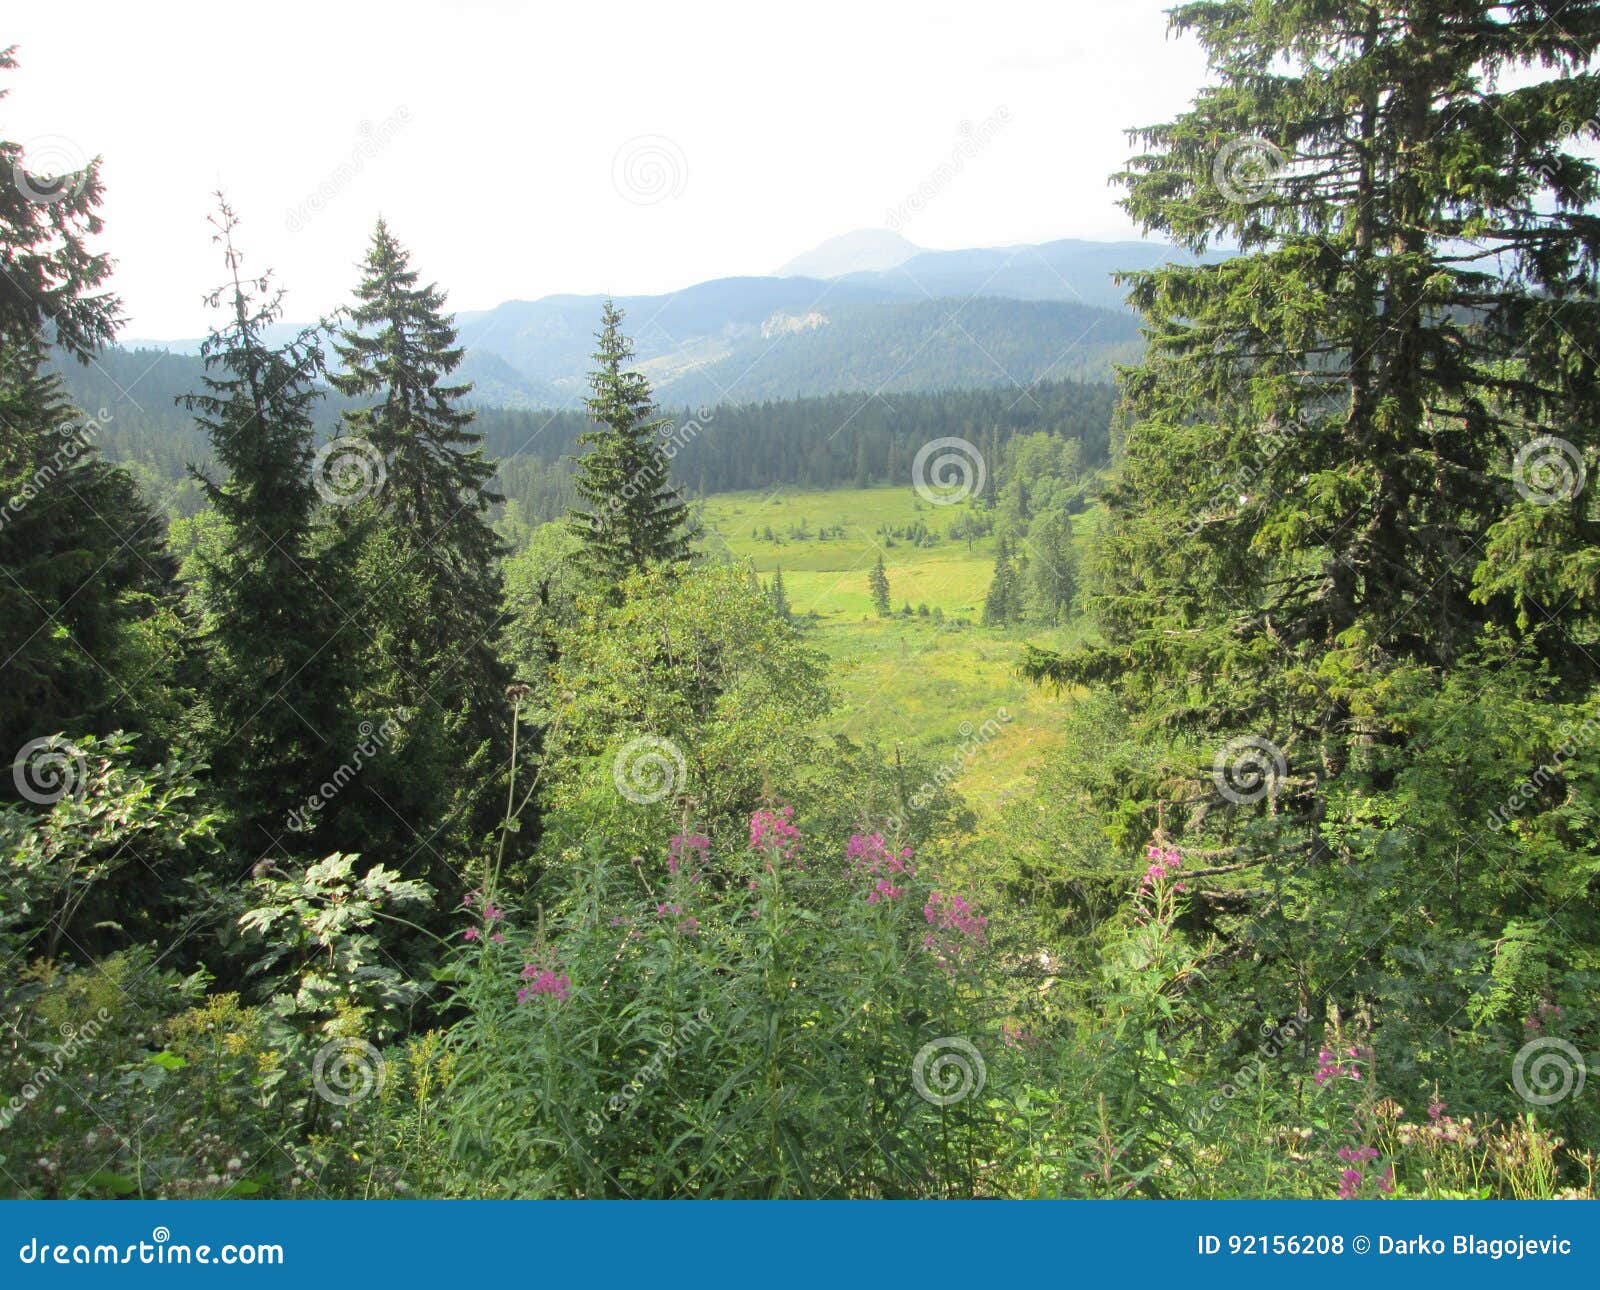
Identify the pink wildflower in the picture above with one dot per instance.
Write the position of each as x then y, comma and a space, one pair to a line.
1163, 862
471, 934
774, 832
543, 980
884, 890
683, 846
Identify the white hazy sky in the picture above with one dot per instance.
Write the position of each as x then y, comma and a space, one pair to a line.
783, 125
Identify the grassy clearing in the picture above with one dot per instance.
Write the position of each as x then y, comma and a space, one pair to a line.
908, 680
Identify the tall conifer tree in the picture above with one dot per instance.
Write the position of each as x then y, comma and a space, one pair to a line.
430, 585
86, 574
878, 585
277, 658
632, 517
1355, 508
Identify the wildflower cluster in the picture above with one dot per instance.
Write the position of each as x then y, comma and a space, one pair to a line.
955, 927
544, 976
1351, 1176
488, 915
1441, 1129
1164, 861
689, 925
1331, 1066
869, 853
688, 849
774, 832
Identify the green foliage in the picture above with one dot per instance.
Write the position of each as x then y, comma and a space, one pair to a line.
318, 956
122, 853
745, 1028
634, 519
691, 691
270, 629
878, 585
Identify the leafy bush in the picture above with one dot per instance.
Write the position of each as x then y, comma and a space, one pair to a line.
772, 1019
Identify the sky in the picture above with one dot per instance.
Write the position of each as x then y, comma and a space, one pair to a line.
521, 150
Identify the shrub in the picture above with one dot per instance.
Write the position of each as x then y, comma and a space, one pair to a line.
772, 1019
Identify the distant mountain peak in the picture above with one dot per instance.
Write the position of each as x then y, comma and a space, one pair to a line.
867, 250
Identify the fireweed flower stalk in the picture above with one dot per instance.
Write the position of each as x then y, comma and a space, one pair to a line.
774, 834
869, 854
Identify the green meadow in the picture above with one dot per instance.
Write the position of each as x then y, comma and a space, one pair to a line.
914, 681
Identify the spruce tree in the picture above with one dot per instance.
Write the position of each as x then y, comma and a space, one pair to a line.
1355, 505
632, 518
878, 584
277, 654
431, 593
780, 598
88, 589
1001, 604
1053, 570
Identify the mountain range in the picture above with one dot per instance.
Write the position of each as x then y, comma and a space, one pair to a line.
866, 312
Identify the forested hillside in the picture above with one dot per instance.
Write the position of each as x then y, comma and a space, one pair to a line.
855, 439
